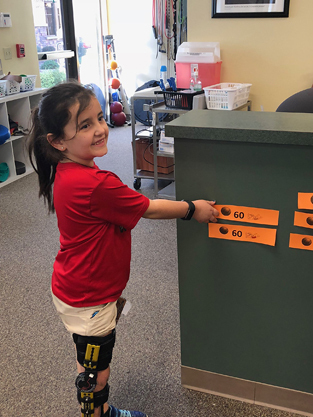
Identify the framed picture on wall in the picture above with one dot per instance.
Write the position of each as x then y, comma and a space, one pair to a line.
250, 8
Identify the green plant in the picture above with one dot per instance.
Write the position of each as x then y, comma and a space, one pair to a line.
49, 65
51, 77
48, 48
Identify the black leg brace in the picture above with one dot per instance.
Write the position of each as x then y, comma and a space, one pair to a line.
94, 354
91, 400
106, 344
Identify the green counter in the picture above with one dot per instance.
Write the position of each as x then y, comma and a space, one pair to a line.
246, 309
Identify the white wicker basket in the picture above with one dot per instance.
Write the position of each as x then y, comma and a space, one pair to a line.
11, 87
28, 82
226, 96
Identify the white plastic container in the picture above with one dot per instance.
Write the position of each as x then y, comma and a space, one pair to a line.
199, 52
207, 57
226, 96
2, 88
28, 82
11, 87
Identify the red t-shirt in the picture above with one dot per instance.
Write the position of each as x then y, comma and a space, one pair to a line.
95, 213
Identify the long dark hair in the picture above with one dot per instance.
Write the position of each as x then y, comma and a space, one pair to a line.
51, 116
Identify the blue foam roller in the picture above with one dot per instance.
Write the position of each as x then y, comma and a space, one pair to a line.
4, 134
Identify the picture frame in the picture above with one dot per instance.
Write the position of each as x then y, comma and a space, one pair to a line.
250, 8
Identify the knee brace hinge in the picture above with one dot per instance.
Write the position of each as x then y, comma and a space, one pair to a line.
86, 381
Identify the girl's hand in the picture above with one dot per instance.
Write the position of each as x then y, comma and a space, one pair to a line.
204, 212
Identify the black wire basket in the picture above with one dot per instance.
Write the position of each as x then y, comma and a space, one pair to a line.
180, 99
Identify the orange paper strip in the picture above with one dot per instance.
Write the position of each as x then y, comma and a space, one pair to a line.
248, 214
243, 233
301, 241
305, 201
303, 219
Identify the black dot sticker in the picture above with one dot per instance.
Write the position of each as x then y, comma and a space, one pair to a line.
309, 220
306, 241
226, 211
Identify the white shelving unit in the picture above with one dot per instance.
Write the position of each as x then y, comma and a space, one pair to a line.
18, 106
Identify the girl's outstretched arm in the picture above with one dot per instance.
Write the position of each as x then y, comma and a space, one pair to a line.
167, 209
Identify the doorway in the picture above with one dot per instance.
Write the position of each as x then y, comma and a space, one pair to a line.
68, 25
88, 36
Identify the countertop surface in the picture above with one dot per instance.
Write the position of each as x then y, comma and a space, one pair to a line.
244, 126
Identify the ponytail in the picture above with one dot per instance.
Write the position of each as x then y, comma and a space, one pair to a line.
51, 116
43, 158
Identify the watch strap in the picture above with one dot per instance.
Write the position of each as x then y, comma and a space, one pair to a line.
190, 211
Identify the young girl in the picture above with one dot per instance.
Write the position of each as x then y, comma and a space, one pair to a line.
96, 213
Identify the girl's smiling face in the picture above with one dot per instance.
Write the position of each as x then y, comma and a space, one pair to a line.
85, 138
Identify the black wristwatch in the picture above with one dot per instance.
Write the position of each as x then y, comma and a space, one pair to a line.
190, 211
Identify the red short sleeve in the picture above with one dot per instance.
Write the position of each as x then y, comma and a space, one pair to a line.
116, 203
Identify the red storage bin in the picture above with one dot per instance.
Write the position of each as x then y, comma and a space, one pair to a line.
209, 74
205, 55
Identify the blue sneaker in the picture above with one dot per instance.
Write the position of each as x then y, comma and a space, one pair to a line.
115, 412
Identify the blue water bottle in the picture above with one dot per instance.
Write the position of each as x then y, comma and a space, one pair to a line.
163, 74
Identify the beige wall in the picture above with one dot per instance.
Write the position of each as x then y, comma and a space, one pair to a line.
274, 55
22, 31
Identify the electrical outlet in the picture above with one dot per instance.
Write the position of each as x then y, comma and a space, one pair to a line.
7, 53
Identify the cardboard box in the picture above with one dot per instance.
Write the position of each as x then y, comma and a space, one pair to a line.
166, 147
166, 143
166, 139
144, 158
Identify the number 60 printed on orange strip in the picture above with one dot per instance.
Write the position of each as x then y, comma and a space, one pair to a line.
248, 214
243, 233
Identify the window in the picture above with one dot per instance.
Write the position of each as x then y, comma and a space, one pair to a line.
49, 37
50, 18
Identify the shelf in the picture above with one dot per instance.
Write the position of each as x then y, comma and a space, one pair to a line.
12, 138
152, 135
169, 177
22, 94
161, 108
150, 175
144, 174
19, 107
46, 56
12, 179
